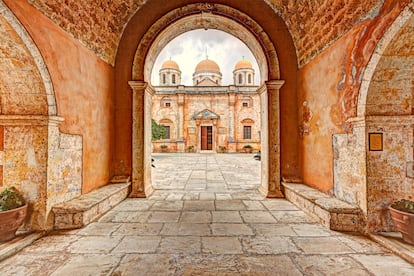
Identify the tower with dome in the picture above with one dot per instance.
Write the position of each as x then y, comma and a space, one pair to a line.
207, 116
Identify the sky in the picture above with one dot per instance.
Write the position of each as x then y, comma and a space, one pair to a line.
190, 48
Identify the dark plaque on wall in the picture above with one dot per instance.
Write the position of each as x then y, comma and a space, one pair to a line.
375, 141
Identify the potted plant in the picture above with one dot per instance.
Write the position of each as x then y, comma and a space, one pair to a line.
13, 210
164, 148
402, 214
222, 149
248, 148
190, 148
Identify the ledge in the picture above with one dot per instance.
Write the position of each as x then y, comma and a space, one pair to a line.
394, 242
21, 241
84, 209
330, 211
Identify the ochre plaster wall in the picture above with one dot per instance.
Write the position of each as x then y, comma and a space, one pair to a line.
319, 113
328, 91
83, 86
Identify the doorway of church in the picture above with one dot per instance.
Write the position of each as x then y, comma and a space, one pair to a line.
206, 137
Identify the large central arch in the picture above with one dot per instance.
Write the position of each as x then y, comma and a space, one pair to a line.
231, 20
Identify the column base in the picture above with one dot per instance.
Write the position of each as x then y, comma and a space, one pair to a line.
271, 194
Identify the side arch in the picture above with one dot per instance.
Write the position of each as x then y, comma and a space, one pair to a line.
382, 45
45, 87
28, 122
374, 179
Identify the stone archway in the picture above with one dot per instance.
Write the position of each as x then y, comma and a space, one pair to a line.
263, 22
29, 127
223, 18
365, 176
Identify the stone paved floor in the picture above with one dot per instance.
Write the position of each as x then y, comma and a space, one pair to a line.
202, 222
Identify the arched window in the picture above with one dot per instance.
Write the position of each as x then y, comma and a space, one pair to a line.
173, 78
164, 79
240, 79
247, 101
249, 78
166, 102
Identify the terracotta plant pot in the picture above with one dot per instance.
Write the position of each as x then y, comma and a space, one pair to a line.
404, 223
10, 221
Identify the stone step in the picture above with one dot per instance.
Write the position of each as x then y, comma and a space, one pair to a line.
330, 211
84, 209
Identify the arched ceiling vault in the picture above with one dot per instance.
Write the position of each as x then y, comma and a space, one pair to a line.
313, 24
254, 37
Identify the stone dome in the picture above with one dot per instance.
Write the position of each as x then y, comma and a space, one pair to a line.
207, 65
243, 64
170, 64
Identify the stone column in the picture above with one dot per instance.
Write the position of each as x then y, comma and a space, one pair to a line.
180, 126
270, 138
141, 139
230, 140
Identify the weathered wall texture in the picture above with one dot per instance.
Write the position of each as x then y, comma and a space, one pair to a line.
23, 147
391, 89
328, 90
387, 179
21, 86
313, 24
98, 25
83, 86
320, 113
64, 167
390, 97
350, 170
42, 163
25, 166
28, 161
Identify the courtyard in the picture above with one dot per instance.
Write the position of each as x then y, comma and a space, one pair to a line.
205, 218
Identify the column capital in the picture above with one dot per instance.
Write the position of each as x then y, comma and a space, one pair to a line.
274, 84
270, 85
138, 85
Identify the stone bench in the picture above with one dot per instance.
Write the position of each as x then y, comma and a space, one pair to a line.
330, 211
84, 209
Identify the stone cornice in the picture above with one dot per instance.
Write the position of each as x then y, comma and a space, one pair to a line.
29, 120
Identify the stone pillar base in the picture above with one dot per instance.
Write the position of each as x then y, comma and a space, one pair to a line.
180, 146
231, 147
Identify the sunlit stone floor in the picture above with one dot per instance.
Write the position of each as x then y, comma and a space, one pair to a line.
206, 218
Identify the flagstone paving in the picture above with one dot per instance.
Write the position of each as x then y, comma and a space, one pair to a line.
182, 231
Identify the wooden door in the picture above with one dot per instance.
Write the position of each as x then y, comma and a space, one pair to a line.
206, 138
203, 138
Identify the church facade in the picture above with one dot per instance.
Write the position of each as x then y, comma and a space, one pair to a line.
207, 116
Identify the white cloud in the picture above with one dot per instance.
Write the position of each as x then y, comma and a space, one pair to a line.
190, 48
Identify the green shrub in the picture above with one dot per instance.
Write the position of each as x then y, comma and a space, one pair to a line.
404, 205
10, 199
